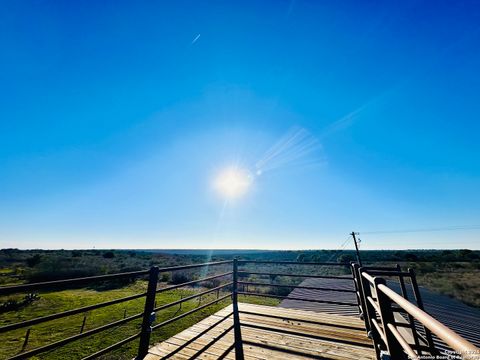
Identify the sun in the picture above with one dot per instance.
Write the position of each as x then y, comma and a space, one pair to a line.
233, 182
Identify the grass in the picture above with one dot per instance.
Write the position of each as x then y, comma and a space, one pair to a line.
460, 285
53, 302
459, 280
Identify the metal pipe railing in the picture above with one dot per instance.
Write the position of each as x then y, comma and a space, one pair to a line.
147, 314
374, 299
455, 341
403, 343
70, 339
382, 302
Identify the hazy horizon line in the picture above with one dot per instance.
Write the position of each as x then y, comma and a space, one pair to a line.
240, 249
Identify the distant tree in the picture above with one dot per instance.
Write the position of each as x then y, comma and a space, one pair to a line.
397, 255
76, 253
34, 260
301, 258
109, 255
345, 259
464, 254
411, 257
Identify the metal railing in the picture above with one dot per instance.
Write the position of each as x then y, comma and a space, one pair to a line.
398, 328
246, 284
147, 315
391, 319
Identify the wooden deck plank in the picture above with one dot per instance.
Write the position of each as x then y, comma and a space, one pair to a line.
298, 343
271, 333
307, 315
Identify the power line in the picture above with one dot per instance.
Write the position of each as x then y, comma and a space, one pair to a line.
446, 228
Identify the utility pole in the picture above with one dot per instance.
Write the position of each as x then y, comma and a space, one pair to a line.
356, 247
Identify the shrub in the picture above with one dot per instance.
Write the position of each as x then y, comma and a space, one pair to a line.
212, 283
109, 255
280, 291
15, 305
166, 277
179, 277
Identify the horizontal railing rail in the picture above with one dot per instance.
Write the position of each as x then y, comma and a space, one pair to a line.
244, 273
13, 289
272, 262
149, 295
289, 297
296, 286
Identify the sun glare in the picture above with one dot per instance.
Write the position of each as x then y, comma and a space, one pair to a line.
233, 182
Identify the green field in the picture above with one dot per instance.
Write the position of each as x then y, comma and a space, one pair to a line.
53, 302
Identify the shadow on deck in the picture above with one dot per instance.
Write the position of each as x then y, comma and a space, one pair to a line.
270, 333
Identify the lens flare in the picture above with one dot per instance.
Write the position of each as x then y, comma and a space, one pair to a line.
233, 182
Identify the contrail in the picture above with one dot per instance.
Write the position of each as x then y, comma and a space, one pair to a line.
195, 39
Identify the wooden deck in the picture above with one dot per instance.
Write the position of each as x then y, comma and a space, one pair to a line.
271, 333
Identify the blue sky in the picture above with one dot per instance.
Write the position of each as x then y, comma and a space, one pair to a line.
117, 116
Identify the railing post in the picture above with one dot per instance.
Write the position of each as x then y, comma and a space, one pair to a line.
83, 323
358, 289
236, 317
148, 313
386, 316
25, 342
411, 320
369, 313
418, 299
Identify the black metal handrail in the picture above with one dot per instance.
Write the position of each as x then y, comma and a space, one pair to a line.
273, 262
296, 286
244, 273
144, 335
289, 297
13, 289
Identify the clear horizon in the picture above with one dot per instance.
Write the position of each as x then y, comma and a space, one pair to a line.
275, 124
